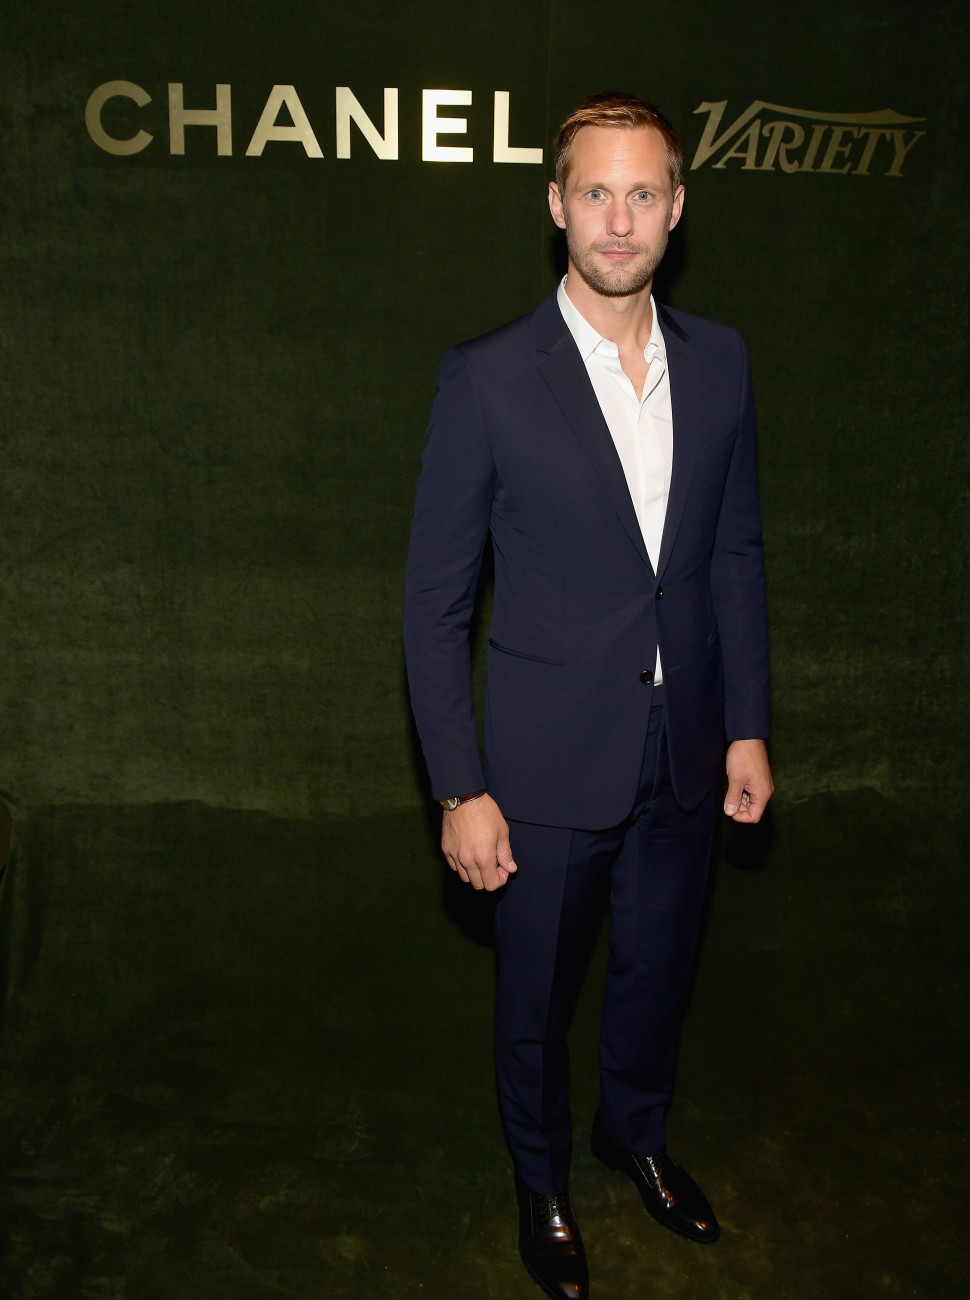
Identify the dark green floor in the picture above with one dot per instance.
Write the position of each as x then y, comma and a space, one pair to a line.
250, 1058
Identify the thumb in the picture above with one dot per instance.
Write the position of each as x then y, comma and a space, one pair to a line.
503, 854
732, 801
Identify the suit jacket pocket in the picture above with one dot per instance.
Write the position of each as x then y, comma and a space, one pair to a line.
524, 654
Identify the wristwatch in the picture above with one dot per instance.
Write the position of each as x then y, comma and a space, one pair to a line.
456, 800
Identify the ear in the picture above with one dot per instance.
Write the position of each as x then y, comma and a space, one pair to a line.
677, 207
555, 206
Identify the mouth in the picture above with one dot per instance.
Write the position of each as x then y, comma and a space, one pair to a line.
619, 254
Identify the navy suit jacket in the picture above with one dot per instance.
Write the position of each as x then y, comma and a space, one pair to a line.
517, 446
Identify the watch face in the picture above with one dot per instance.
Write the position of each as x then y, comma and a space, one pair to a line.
449, 805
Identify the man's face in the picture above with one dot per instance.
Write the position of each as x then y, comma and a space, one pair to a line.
617, 209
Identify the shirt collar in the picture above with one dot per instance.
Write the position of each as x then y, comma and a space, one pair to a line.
588, 339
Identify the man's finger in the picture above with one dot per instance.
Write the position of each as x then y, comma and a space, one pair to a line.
474, 877
504, 856
732, 801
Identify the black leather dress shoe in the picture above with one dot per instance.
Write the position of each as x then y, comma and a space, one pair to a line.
669, 1193
550, 1245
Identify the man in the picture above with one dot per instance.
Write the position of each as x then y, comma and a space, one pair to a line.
607, 446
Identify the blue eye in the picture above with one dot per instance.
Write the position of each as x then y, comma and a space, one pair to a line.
596, 194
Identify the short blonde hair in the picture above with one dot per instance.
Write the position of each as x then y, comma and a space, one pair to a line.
613, 108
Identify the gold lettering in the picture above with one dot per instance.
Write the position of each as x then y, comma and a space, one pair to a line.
92, 117
711, 141
179, 117
808, 162
502, 151
749, 151
776, 149
432, 126
349, 109
902, 150
267, 128
873, 135
715, 111
835, 146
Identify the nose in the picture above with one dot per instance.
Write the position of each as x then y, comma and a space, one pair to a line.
620, 220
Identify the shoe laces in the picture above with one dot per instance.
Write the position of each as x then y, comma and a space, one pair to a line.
553, 1207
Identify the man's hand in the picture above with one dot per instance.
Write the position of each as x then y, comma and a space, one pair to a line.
475, 842
749, 780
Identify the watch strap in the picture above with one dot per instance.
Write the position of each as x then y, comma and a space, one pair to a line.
457, 800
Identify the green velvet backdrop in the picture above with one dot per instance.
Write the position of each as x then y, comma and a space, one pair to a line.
237, 1000
217, 371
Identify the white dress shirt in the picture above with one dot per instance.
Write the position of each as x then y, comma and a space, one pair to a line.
641, 427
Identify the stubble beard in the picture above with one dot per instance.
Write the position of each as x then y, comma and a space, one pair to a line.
623, 280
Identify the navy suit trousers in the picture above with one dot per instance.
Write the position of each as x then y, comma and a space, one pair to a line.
655, 865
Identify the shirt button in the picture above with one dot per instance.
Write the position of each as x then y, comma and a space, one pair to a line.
646, 676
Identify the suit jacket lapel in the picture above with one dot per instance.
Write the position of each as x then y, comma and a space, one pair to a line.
563, 370
682, 369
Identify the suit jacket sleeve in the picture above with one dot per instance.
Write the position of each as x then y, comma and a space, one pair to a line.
451, 519
737, 583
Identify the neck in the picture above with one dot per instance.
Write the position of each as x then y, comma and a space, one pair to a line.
624, 319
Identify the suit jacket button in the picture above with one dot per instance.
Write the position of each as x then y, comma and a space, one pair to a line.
646, 676
658, 593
